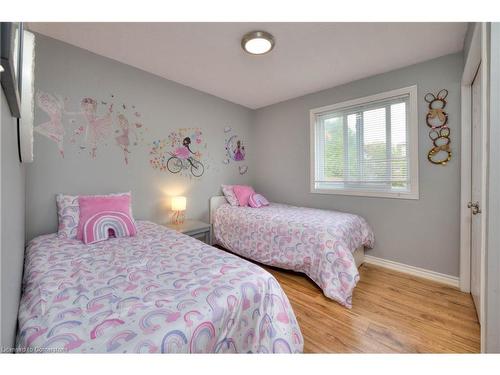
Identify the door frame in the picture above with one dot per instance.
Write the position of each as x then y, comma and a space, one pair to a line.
476, 54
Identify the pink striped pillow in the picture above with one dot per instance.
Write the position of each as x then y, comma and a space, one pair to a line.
104, 216
257, 201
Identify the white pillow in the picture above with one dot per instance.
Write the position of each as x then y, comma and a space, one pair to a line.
68, 214
228, 192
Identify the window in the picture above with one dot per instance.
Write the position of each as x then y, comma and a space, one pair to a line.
367, 146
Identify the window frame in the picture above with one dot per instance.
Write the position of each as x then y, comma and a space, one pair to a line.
412, 115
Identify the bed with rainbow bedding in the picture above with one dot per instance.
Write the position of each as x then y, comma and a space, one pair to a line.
319, 243
159, 291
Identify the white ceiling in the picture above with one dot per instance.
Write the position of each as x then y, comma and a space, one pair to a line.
307, 57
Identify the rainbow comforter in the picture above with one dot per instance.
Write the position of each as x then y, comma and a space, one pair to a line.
159, 291
316, 242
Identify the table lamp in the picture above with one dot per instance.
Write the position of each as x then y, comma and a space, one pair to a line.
178, 206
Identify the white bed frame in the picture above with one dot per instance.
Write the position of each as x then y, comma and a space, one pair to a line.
218, 200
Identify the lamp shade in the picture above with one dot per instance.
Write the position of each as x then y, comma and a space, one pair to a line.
178, 203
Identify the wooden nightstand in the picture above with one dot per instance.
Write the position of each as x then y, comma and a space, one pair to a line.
194, 228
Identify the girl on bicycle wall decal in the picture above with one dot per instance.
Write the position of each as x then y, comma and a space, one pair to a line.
181, 158
183, 152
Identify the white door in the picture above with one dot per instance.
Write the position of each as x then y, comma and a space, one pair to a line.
476, 192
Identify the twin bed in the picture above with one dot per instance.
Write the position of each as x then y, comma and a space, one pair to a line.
159, 291
327, 246
162, 291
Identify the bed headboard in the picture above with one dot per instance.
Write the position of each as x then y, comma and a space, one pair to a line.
214, 203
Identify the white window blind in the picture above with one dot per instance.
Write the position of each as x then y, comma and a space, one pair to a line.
364, 147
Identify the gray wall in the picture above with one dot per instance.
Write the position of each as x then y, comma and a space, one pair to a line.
422, 233
75, 73
12, 232
468, 38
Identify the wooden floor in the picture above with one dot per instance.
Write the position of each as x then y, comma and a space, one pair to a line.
392, 312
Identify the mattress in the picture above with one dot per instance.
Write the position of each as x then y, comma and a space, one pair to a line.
319, 243
160, 291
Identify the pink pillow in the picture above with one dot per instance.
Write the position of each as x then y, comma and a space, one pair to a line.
257, 201
243, 193
105, 216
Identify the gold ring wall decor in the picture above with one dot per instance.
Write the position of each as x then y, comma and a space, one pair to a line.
437, 120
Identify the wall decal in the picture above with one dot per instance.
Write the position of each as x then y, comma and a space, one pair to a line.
52, 129
235, 150
123, 134
180, 153
94, 124
98, 128
437, 120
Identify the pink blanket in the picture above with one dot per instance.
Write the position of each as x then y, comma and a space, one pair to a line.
159, 291
316, 242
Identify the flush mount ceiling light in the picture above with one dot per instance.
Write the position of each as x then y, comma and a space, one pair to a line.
257, 42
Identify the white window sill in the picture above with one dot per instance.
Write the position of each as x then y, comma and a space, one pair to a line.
367, 193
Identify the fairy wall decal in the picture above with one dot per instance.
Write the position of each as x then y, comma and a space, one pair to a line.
98, 128
94, 124
54, 128
235, 149
123, 135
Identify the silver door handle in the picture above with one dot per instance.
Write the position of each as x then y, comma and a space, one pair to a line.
475, 207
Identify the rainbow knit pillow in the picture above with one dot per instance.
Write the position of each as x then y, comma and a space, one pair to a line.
104, 217
257, 201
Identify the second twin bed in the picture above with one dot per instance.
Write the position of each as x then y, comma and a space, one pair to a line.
325, 245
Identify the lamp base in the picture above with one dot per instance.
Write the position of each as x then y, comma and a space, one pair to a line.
178, 217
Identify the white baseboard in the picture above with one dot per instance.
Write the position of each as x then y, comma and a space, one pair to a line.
415, 271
